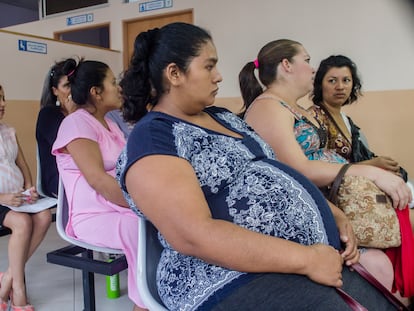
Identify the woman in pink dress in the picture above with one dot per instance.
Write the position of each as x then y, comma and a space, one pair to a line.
86, 149
28, 230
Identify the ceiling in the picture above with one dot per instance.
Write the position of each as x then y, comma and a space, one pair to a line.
27, 4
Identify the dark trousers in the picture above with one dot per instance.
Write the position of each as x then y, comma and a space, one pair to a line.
275, 291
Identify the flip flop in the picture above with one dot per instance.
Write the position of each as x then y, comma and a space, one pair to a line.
3, 304
24, 308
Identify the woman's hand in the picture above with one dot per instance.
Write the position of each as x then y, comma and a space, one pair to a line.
395, 187
385, 163
32, 195
12, 199
324, 265
347, 236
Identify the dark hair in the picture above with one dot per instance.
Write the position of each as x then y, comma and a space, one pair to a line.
52, 79
143, 81
336, 61
268, 59
83, 76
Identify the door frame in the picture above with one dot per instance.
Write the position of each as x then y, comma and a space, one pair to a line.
144, 20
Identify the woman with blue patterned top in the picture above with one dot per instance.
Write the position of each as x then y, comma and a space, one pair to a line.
240, 230
271, 87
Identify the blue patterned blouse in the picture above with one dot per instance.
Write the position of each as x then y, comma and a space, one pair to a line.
242, 183
313, 139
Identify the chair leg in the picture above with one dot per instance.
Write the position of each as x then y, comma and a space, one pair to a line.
88, 280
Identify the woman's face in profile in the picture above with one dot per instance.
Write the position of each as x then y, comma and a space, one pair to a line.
111, 93
63, 89
303, 70
200, 83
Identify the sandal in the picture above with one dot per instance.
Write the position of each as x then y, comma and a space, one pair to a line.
24, 308
4, 305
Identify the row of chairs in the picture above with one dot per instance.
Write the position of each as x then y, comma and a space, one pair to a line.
79, 255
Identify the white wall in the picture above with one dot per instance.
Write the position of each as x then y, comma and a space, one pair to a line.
22, 73
376, 34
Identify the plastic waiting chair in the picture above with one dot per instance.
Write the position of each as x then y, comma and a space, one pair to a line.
39, 186
69, 256
149, 252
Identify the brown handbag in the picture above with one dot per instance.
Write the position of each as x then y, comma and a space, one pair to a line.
368, 208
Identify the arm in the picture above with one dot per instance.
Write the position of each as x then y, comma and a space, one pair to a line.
168, 193
385, 163
361, 152
274, 124
88, 158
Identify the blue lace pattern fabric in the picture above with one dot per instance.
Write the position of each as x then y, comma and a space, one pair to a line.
242, 183
313, 140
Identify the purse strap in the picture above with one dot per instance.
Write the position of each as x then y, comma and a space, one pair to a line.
381, 288
332, 197
355, 305
351, 302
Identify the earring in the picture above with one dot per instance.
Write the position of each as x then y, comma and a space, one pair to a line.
57, 103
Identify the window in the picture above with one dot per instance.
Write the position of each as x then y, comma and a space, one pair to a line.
59, 6
97, 36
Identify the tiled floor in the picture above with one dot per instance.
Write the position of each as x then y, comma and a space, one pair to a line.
51, 287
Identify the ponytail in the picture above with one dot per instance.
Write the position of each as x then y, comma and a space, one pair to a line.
136, 83
249, 86
143, 82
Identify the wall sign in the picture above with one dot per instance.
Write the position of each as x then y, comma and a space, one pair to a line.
34, 47
155, 5
79, 19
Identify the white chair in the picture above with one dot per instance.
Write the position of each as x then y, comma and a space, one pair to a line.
39, 186
149, 251
69, 256
62, 217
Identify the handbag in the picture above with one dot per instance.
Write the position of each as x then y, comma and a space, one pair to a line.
368, 208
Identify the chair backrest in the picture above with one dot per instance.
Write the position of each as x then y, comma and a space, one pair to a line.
39, 186
149, 252
62, 216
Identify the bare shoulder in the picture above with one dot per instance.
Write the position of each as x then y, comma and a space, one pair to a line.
266, 108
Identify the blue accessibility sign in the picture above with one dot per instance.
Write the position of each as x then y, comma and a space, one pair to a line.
79, 19
155, 5
34, 47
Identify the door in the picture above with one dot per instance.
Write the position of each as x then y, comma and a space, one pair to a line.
133, 27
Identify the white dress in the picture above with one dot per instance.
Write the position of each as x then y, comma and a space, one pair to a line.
11, 178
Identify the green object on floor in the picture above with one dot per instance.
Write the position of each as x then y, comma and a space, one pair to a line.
113, 290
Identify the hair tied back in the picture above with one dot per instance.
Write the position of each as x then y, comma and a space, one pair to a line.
71, 73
